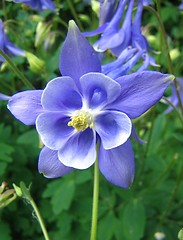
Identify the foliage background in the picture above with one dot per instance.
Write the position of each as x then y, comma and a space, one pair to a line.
153, 204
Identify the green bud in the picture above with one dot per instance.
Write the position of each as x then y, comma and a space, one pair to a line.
174, 53
4, 66
6, 195
36, 65
18, 190
180, 234
50, 40
42, 31
3, 187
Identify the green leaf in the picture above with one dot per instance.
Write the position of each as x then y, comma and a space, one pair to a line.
83, 176
63, 197
5, 152
109, 226
30, 137
4, 231
61, 192
133, 220
3, 166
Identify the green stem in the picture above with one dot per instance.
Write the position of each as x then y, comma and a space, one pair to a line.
170, 65
95, 201
75, 14
168, 208
4, 10
153, 114
16, 70
161, 35
40, 220
174, 107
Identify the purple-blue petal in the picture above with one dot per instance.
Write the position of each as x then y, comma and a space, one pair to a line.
123, 57
26, 106
61, 94
96, 31
38, 4
140, 91
53, 129
114, 128
49, 164
77, 56
107, 10
125, 31
117, 164
125, 68
13, 50
4, 97
99, 90
80, 150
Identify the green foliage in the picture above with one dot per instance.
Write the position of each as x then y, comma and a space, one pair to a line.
134, 225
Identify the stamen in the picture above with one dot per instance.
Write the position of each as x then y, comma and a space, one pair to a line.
81, 120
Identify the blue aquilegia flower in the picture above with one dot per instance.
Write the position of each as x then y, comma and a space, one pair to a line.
119, 38
181, 6
84, 107
38, 4
107, 10
6, 46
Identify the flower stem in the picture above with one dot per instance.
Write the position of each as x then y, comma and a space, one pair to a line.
75, 15
4, 10
174, 107
170, 65
24, 193
40, 220
95, 201
16, 70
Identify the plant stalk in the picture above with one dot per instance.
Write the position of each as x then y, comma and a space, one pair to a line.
95, 201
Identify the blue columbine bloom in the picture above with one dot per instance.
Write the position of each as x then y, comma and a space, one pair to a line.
181, 6
38, 4
107, 10
119, 38
6, 46
84, 107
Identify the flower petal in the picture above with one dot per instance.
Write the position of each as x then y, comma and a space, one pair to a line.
12, 49
49, 164
97, 31
117, 164
77, 57
26, 106
53, 129
99, 90
114, 128
140, 91
61, 94
80, 150
4, 97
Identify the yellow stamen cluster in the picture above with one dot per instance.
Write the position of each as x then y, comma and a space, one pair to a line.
81, 120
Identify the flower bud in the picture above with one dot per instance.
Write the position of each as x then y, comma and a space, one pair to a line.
6, 195
4, 66
180, 234
36, 65
42, 31
159, 235
18, 190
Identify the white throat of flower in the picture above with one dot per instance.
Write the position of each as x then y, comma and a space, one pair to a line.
81, 120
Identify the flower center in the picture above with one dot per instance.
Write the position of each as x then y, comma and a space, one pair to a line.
81, 120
